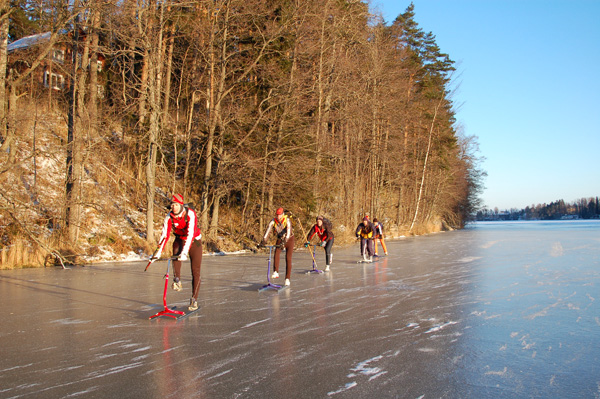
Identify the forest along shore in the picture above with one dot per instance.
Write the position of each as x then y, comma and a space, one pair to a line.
246, 108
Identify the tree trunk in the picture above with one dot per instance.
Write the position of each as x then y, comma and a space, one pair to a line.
264, 184
188, 145
168, 72
422, 184
321, 99
93, 91
142, 106
4, 25
218, 193
74, 135
212, 125
154, 101
11, 121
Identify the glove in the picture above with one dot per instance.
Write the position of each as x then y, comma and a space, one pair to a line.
306, 244
323, 243
182, 257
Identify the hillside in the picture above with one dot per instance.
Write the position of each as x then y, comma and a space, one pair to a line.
243, 107
113, 225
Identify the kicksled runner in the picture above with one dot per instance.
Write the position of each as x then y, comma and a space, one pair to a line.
175, 314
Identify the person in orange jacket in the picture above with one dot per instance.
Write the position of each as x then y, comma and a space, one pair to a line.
379, 235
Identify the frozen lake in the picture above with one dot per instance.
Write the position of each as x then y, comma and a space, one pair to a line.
498, 310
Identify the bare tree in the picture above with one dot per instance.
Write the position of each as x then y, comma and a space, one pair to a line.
4, 25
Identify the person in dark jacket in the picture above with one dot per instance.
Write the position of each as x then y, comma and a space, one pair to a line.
322, 229
366, 232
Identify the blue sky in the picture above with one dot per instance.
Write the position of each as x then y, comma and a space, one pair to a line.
528, 86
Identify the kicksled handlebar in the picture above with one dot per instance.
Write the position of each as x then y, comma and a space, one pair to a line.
150, 261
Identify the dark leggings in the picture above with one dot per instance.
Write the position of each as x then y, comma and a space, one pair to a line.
328, 252
195, 256
368, 243
289, 248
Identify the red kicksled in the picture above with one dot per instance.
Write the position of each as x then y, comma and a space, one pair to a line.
167, 312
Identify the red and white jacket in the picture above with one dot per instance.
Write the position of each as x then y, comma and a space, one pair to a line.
180, 225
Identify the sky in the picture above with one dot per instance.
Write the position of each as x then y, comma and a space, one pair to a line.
528, 86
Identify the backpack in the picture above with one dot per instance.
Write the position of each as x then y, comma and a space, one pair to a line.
327, 224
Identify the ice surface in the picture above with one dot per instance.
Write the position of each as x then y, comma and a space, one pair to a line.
499, 310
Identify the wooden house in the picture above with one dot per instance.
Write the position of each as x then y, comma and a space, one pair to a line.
54, 71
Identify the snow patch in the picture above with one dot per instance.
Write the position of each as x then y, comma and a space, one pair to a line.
255, 323
468, 259
557, 250
489, 244
344, 388
80, 393
377, 375
114, 370
440, 327
500, 373
426, 350
69, 321
220, 374
363, 369
16, 367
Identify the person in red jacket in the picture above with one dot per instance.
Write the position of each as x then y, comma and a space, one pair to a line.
282, 228
323, 230
181, 221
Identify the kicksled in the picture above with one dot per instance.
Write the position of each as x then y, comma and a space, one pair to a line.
269, 285
314, 269
175, 314
364, 258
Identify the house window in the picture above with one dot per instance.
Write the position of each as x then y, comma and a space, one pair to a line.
98, 63
58, 56
54, 80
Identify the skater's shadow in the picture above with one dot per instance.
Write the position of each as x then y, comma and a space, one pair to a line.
251, 287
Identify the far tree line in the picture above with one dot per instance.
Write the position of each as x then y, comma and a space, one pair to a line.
583, 208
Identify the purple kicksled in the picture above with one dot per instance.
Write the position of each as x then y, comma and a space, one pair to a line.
270, 285
314, 262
